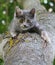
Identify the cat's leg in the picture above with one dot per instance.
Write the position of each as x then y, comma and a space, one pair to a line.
44, 35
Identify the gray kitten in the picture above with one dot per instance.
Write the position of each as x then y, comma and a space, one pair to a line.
25, 21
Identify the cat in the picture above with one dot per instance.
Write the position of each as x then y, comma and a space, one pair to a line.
25, 21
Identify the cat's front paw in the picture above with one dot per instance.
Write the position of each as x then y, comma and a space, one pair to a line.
45, 37
15, 37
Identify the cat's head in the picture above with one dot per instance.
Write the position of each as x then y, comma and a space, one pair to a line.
25, 16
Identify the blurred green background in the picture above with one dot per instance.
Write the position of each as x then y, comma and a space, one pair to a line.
1, 61
7, 9
6, 13
49, 5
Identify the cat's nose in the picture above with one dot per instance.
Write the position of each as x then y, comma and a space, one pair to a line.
25, 26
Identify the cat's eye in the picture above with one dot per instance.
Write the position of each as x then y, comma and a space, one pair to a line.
28, 21
21, 20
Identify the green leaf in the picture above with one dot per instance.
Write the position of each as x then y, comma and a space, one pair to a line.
1, 61
54, 61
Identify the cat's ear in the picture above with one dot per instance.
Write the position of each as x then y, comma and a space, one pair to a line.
32, 11
18, 11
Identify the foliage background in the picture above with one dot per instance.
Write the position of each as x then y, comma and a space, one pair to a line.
7, 8
49, 4
1, 61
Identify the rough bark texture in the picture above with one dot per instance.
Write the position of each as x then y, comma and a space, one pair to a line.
32, 50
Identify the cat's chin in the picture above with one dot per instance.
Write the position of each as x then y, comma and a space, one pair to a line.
45, 37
